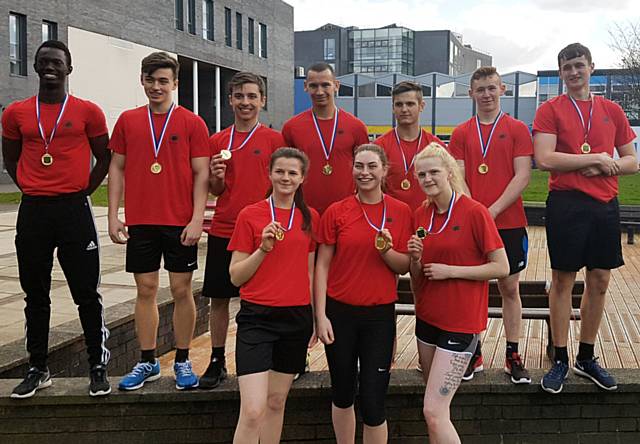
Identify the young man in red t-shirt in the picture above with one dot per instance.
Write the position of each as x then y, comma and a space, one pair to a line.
494, 153
239, 177
47, 143
327, 135
402, 143
574, 138
161, 162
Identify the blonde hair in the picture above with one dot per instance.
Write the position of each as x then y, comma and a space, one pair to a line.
434, 149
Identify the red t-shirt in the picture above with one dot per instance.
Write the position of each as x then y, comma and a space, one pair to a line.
322, 190
282, 279
510, 139
246, 179
414, 196
457, 305
165, 198
609, 129
70, 148
358, 275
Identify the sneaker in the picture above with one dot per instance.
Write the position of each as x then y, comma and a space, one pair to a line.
513, 366
475, 366
553, 380
419, 367
142, 372
35, 380
591, 369
185, 378
214, 375
99, 385
307, 368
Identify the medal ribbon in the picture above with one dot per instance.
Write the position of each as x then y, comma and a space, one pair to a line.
485, 147
272, 207
158, 143
446, 222
327, 153
233, 131
46, 141
585, 128
384, 215
404, 159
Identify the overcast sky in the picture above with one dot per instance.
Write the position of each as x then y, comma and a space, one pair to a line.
519, 34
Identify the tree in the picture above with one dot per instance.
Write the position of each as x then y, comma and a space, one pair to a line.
625, 41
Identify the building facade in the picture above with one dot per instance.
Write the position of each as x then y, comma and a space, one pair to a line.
212, 39
390, 49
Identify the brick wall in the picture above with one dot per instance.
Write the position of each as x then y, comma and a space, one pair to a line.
487, 410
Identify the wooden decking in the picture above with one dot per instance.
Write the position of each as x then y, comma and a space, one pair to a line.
618, 343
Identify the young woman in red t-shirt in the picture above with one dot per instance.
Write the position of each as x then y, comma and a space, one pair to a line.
272, 263
362, 249
455, 251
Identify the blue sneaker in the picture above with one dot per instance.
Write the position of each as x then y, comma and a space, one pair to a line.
553, 380
142, 372
185, 378
591, 369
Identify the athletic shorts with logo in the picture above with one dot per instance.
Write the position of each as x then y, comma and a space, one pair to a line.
149, 244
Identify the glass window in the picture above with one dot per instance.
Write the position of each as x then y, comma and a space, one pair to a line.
251, 35
329, 49
207, 19
18, 44
345, 91
191, 16
49, 30
262, 43
238, 30
179, 15
227, 26
383, 91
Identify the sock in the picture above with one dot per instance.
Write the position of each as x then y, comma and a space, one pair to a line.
562, 355
512, 347
217, 353
182, 354
148, 356
585, 352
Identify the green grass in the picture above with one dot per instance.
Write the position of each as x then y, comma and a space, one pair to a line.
99, 197
629, 192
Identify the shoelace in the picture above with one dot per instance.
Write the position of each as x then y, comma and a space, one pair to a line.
140, 368
557, 369
594, 364
183, 369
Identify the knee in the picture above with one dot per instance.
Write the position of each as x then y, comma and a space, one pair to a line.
219, 305
509, 291
147, 291
253, 415
433, 416
373, 415
276, 401
180, 291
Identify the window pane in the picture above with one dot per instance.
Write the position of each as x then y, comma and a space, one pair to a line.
329, 49
227, 26
263, 40
179, 15
251, 36
207, 19
191, 16
238, 30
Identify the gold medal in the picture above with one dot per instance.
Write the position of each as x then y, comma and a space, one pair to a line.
381, 242
225, 154
46, 159
279, 234
483, 168
156, 168
585, 148
421, 232
327, 170
405, 184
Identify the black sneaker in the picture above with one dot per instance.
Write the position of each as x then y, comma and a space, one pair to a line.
513, 366
99, 385
35, 380
214, 375
475, 366
590, 369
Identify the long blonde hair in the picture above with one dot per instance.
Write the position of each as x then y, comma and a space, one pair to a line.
434, 149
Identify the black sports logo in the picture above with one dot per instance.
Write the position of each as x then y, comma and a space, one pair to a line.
68, 124
257, 152
174, 137
456, 228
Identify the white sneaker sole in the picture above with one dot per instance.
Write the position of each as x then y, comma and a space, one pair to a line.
517, 381
100, 392
584, 374
136, 387
44, 385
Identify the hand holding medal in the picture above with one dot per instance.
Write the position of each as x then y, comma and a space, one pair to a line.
414, 245
384, 241
269, 236
217, 166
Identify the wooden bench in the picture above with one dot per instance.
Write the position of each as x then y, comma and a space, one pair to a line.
208, 215
534, 296
630, 220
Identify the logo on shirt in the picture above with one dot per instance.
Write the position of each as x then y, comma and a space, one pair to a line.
389, 220
68, 124
456, 228
606, 119
502, 136
92, 246
340, 131
257, 152
174, 138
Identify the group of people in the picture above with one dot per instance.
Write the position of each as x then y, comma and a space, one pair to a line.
321, 264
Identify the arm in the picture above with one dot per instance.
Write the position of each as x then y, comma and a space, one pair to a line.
496, 267
323, 325
117, 230
415, 266
628, 162
103, 156
216, 179
547, 159
11, 150
311, 262
192, 232
520, 180
244, 265
464, 177
396, 261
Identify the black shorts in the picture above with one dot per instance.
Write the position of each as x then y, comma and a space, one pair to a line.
217, 282
148, 244
272, 338
447, 340
516, 244
582, 231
